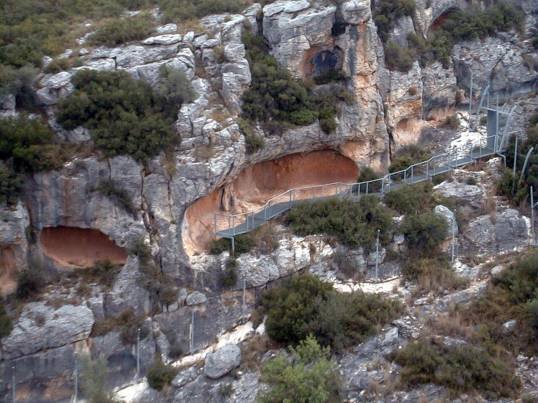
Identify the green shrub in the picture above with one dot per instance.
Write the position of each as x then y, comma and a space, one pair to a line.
104, 272
309, 376
228, 277
253, 141
408, 156
387, 12
432, 275
305, 305
5, 322
125, 116
187, 9
398, 58
511, 295
174, 86
160, 375
122, 30
462, 368
352, 223
27, 145
93, 381
57, 65
424, 233
118, 195
30, 283
243, 244
19, 83
411, 199
10, 185
277, 100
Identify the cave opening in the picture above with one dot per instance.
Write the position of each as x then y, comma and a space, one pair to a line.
72, 247
258, 183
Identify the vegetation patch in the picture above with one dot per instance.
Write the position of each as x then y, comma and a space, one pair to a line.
122, 30
160, 375
10, 185
411, 199
125, 116
243, 244
228, 277
408, 156
30, 283
352, 223
513, 295
424, 233
5, 322
118, 195
463, 368
432, 274
307, 376
127, 323
304, 305
277, 100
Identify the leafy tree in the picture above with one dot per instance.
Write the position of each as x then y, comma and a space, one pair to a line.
407, 156
125, 116
310, 376
93, 377
27, 145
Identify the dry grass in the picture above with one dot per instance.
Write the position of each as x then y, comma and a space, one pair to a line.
450, 324
253, 350
204, 152
192, 24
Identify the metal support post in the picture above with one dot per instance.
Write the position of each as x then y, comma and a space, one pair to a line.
137, 352
471, 99
453, 247
377, 255
244, 302
191, 333
514, 168
233, 246
75, 395
13, 385
532, 216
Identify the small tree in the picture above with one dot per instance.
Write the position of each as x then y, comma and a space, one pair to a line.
309, 377
160, 375
424, 233
93, 376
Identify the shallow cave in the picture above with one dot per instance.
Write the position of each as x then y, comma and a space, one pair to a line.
73, 247
255, 185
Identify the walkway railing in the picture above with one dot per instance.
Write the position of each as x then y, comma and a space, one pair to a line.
229, 225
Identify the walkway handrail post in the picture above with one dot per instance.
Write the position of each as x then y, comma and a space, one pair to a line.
382, 186
367, 188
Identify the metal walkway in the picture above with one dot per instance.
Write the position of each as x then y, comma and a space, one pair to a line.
231, 225
499, 123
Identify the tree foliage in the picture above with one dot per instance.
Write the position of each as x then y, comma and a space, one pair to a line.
352, 223
305, 305
424, 233
309, 376
125, 116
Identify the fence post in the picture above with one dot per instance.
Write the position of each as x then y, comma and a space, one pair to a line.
13, 385
514, 168
377, 256
244, 303
137, 353
532, 215
75, 395
191, 333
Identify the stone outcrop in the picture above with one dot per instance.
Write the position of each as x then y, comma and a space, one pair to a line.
222, 361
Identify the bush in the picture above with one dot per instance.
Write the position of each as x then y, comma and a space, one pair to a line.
452, 122
305, 305
387, 12
125, 116
424, 233
277, 100
175, 87
30, 283
160, 375
463, 368
93, 379
104, 272
10, 185
27, 145
253, 141
19, 83
127, 322
352, 223
511, 295
228, 277
57, 65
411, 199
187, 9
432, 275
118, 195
122, 30
5, 322
398, 58
309, 376
408, 156
243, 244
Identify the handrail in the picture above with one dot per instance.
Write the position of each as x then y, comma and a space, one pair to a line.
386, 181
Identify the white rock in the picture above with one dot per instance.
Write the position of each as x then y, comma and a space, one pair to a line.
166, 29
196, 298
222, 361
168, 39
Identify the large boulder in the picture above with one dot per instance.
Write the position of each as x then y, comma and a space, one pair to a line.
222, 361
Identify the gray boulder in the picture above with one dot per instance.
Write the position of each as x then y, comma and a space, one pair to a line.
222, 361
449, 217
196, 298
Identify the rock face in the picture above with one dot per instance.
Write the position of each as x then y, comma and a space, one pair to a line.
42, 327
222, 361
504, 232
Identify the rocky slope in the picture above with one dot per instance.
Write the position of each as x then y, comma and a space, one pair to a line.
389, 109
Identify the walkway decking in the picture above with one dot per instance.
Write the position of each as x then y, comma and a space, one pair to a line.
231, 225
